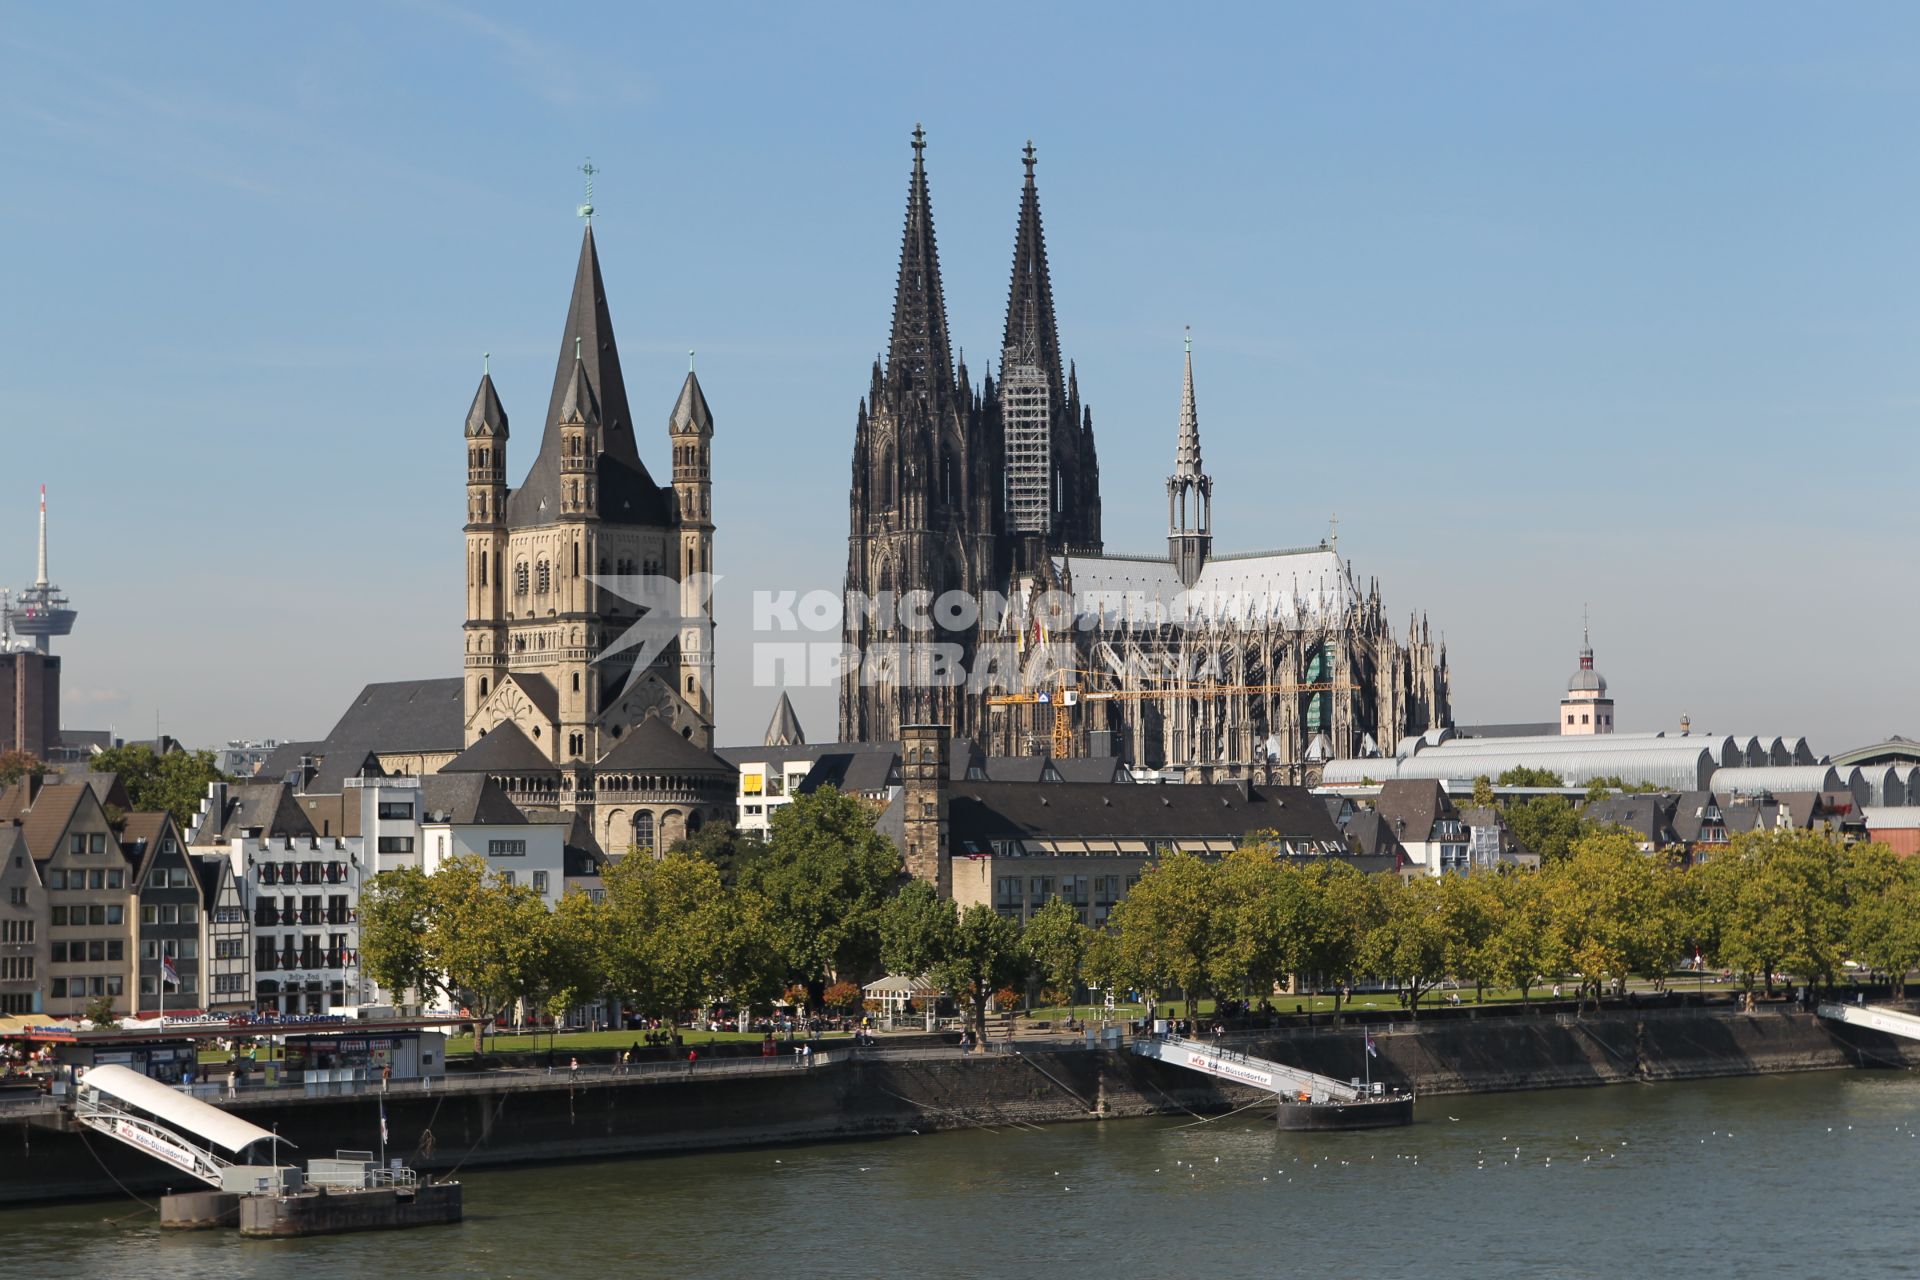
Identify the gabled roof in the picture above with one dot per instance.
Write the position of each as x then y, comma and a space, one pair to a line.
653, 745
539, 690
1416, 804
467, 799
853, 772
982, 812
402, 715
270, 808
140, 840
107, 787
52, 812
210, 869
504, 750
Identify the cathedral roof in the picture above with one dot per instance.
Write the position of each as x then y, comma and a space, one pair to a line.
504, 750
690, 410
1307, 584
467, 799
627, 494
578, 405
653, 745
487, 417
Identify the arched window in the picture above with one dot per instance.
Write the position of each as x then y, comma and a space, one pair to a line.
643, 831
546, 577
520, 578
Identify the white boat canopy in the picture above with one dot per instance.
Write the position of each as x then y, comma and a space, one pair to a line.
181, 1111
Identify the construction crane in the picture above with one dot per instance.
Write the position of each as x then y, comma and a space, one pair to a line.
1063, 696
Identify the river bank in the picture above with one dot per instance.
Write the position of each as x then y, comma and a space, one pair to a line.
524, 1117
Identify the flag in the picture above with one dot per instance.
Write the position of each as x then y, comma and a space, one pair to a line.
1371, 1051
169, 974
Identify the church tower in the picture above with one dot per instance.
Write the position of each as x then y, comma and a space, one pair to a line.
1052, 486
1189, 491
924, 506
486, 543
1586, 710
690, 427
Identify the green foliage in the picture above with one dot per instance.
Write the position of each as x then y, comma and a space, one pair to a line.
825, 876
1776, 900
1408, 941
916, 930
15, 765
984, 954
670, 939
1614, 910
100, 1011
1524, 945
1056, 944
1165, 929
1884, 918
396, 924
1601, 788
721, 844
1546, 825
176, 782
1483, 797
1522, 776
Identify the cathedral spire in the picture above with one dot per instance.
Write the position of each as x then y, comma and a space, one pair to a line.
1032, 337
1187, 455
919, 356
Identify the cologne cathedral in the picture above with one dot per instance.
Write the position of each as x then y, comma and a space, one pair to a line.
1206, 665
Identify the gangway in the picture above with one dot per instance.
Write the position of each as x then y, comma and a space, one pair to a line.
1290, 1083
171, 1126
1873, 1017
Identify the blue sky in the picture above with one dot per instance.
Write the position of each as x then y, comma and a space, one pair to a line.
1610, 306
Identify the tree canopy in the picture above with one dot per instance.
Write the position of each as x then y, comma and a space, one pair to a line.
176, 782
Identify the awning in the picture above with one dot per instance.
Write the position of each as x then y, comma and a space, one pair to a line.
177, 1109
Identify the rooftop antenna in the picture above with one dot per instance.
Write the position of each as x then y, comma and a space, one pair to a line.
586, 210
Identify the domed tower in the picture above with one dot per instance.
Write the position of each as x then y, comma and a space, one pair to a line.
1586, 709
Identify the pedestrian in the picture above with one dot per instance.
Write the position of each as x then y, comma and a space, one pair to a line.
386, 1076
806, 1055
573, 1067
693, 1056
233, 1079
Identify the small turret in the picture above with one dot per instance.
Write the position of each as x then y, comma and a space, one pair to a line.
1189, 490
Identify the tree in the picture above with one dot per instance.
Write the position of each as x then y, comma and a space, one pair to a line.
100, 1011
1470, 909
721, 844
15, 765
1251, 946
1523, 776
1056, 945
1612, 911
1483, 797
1336, 908
562, 962
1524, 945
1409, 940
841, 997
984, 954
484, 937
1164, 928
666, 930
176, 782
916, 930
396, 918
1883, 919
1777, 903
825, 876
1545, 825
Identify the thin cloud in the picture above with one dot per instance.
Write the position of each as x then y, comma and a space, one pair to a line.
552, 72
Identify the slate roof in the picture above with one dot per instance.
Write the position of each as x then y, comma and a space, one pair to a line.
269, 807
987, 811
854, 772
505, 749
140, 840
1418, 804
653, 745
207, 869
284, 760
487, 416
403, 715
52, 809
1369, 834
1648, 815
107, 787
627, 494
1091, 769
784, 729
540, 692
467, 799
690, 410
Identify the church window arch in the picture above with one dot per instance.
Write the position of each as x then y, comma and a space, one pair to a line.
546, 576
883, 481
520, 578
643, 831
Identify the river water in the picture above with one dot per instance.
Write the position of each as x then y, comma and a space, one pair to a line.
1796, 1176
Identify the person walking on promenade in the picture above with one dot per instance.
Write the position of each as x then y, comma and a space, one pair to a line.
573, 1068
693, 1056
386, 1076
233, 1079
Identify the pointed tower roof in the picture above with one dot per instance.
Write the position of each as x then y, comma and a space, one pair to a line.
487, 417
1187, 456
626, 492
578, 405
784, 729
690, 410
920, 353
1031, 335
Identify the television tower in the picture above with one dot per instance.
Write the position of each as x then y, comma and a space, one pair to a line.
42, 611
